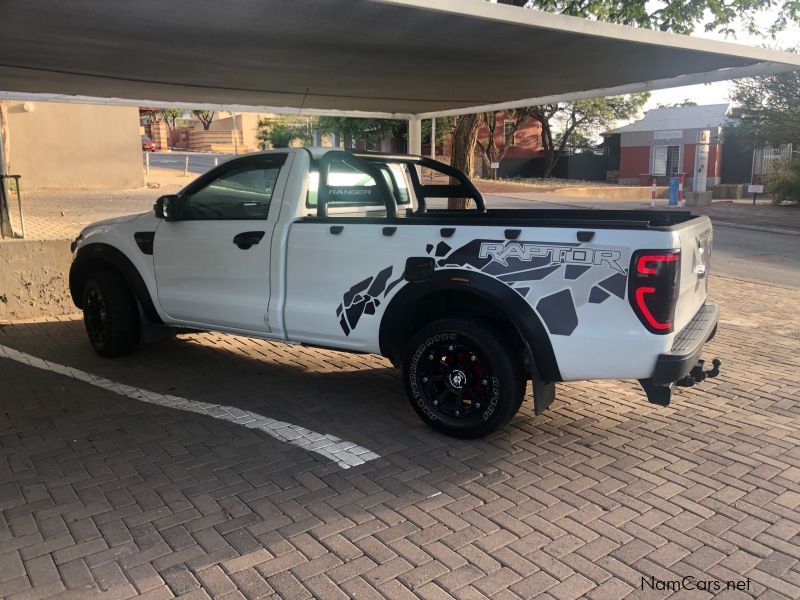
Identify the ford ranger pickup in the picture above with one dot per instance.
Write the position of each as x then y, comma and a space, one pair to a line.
358, 252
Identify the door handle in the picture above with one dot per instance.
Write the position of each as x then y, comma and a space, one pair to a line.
248, 239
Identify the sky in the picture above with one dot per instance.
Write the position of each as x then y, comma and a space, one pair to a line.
718, 93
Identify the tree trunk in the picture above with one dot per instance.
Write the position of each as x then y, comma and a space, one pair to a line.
465, 138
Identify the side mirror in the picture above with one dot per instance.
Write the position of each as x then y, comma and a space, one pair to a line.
167, 207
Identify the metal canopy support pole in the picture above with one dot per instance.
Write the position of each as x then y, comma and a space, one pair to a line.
5, 219
433, 138
415, 136
235, 136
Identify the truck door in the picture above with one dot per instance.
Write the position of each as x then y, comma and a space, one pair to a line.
212, 262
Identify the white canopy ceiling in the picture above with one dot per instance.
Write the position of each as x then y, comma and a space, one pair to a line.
379, 57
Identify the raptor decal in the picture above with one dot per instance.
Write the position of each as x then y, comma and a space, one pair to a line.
556, 278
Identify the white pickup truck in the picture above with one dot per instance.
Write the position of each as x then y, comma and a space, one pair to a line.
348, 250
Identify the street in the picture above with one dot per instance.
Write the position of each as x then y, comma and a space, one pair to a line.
198, 162
759, 256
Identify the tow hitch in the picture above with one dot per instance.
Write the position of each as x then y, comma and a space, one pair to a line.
661, 394
698, 374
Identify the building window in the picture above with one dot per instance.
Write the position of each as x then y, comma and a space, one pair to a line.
666, 160
509, 132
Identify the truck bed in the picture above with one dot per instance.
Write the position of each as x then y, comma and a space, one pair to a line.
535, 217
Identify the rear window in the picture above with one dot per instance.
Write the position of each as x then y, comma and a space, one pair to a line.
350, 187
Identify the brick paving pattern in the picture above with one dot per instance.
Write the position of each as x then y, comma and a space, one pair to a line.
104, 495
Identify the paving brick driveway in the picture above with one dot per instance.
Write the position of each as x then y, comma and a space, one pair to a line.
104, 494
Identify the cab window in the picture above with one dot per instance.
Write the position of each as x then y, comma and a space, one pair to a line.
242, 192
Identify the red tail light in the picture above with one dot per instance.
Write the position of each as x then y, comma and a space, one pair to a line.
654, 288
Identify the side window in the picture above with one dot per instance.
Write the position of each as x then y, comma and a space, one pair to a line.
241, 193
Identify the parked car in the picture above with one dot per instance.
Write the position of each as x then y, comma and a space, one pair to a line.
345, 250
148, 145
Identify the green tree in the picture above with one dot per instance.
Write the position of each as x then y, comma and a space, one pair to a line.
490, 151
282, 132
767, 108
679, 16
353, 129
170, 115
584, 118
205, 117
444, 127
783, 180
685, 102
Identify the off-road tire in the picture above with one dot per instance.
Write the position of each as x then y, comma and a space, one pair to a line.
469, 353
110, 314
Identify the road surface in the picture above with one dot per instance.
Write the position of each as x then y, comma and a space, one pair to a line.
198, 162
759, 256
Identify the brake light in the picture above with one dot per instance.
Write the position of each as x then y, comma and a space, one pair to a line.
641, 264
654, 288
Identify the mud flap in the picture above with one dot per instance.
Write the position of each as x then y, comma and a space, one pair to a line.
543, 395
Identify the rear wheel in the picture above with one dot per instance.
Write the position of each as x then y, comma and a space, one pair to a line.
110, 314
461, 379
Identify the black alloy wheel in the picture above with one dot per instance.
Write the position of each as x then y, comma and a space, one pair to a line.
460, 379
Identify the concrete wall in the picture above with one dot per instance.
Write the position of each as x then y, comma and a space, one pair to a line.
75, 146
34, 277
246, 124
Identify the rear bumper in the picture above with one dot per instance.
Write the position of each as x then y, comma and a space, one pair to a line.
687, 347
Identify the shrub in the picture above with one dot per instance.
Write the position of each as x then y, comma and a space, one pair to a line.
783, 180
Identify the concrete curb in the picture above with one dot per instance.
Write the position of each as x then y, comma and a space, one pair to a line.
755, 227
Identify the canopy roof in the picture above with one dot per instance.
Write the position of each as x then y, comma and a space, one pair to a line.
382, 57
704, 116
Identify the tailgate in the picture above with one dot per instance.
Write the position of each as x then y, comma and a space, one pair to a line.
695, 239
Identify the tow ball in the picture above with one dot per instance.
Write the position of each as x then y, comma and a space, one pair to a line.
661, 394
698, 374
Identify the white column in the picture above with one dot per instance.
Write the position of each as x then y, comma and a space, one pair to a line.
433, 138
415, 136
701, 161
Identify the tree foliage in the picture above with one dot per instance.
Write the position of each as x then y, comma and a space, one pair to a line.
490, 151
170, 116
444, 127
584, 118
679, 16
684, 102
372, 131
768, 108
282, 132
783, 180
205, 117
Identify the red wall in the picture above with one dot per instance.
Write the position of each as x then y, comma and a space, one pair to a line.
714, 160
634, 161
528, 139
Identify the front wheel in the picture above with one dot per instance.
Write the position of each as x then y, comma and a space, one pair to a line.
460, 379
110, 314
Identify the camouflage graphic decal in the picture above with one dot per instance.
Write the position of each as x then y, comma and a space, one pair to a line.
362, 298
558, 277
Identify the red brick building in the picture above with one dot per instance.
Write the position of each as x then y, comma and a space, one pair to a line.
525, 143
664, 143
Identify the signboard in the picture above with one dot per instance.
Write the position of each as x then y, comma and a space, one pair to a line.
667, 134
755, 189
495, 165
